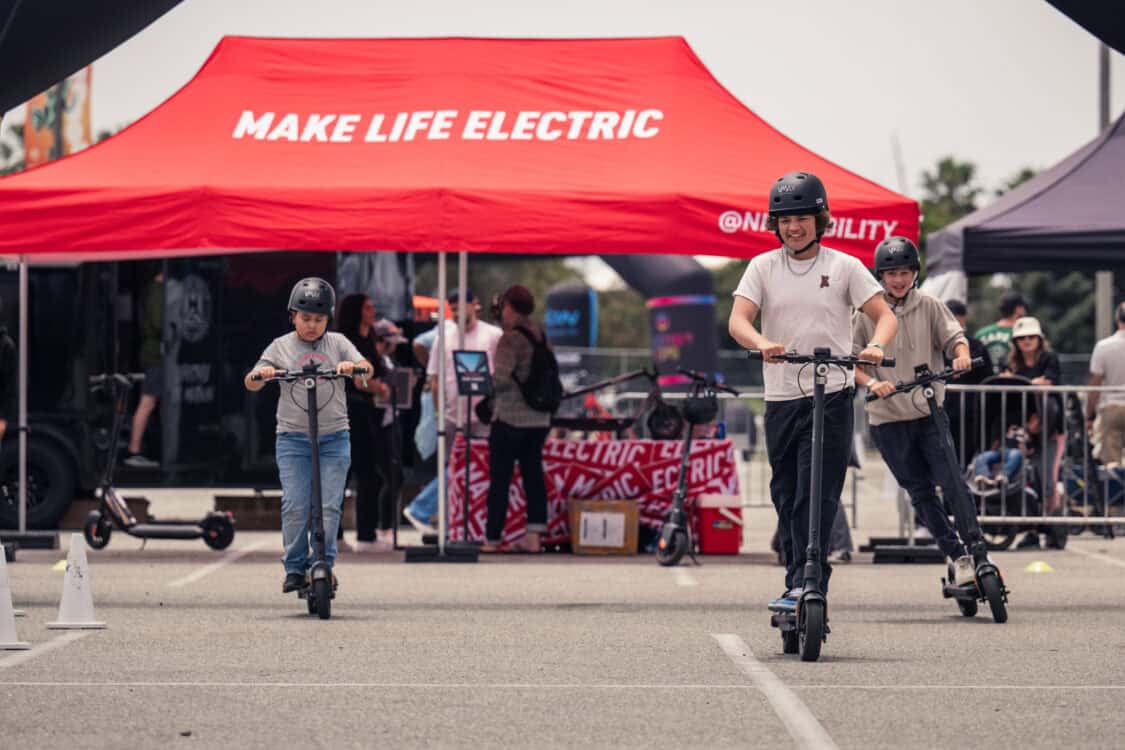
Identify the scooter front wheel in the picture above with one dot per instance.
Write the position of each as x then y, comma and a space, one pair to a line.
671, 548
993, 591
97, 530
322, 593
810, 630
218, 532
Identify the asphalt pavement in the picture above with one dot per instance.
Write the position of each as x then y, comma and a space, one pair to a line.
201, 648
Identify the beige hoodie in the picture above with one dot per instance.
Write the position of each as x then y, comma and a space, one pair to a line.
926, 331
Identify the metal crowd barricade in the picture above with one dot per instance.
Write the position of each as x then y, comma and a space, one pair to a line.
1061, 493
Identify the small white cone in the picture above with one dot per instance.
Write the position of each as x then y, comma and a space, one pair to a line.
8, 637
76, 610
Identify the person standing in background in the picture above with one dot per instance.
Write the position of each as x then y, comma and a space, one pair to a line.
152, 361
997, 336
1107, 367
969, 447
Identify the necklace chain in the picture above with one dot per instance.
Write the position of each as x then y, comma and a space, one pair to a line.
807, 271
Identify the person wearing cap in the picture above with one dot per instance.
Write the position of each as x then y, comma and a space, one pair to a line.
518, 431
967, 447
909, 441
805, 293
1107, 367
997, 336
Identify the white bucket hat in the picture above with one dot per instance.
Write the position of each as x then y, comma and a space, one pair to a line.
1027, 327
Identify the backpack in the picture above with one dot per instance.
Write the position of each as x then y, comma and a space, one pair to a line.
543, 389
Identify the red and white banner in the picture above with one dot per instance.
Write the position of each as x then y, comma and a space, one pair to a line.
643, 470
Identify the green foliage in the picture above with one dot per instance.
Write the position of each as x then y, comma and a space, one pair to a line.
726, 278
948, 194
11, 150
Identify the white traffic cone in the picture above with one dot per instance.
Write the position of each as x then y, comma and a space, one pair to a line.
8, 637
76, 610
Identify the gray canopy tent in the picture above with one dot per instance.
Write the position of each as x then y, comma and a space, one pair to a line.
1068, 216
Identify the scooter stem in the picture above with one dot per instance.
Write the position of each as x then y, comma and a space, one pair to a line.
316, 519
812, 554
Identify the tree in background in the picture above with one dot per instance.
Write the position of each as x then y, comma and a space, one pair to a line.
948, 193
11, 150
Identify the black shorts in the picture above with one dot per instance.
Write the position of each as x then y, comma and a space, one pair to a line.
153, 384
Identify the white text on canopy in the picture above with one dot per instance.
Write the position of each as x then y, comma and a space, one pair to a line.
447, 124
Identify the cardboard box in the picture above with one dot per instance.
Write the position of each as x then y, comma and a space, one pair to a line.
603, 527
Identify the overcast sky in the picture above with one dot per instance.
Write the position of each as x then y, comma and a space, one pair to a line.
1002, 83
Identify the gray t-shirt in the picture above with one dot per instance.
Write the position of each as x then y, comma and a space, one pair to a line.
805, 305
291, 352
1108, 360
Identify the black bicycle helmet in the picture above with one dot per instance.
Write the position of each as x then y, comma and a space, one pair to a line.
896, 252
701, 409
313, 295
799, 193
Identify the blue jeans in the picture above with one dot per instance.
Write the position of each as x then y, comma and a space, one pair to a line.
294, 465
1013, 459
424, 505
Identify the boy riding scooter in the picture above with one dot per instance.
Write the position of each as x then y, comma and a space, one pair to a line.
905, 435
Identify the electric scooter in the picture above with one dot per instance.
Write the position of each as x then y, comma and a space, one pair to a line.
700, 407
804, 626
215, 529
321, 585
988, 585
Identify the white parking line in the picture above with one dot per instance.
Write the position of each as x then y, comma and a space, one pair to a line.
803, 727
1100, 557
209, 569
512, 685
684, 577
41, 648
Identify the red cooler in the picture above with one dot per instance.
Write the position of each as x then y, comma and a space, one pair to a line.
720, 524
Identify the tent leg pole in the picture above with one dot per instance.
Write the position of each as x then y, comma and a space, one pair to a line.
22, 427
441, 396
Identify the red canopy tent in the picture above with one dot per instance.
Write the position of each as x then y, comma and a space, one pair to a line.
514, 146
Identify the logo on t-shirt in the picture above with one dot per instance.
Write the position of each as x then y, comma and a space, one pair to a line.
823, 281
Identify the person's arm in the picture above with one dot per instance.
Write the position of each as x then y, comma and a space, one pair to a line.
421, 353
1051, 370
1092, 397
742, 330
886, 326
504, 361
264, 371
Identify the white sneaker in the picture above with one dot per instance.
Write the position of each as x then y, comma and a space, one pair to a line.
377, 546
964, 571
418, 523
922, 533
137, 461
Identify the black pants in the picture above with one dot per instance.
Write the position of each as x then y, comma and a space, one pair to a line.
913, 452
506, 446
789, 447
371, 470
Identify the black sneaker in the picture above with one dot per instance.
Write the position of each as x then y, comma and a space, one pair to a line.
294, 582
1030, 541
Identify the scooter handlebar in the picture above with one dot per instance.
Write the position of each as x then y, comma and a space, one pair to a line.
795, 358
700, 377
945, 374
288, 375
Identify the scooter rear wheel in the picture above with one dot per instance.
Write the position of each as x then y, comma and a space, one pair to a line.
811, 630
218, 532
97, 530
670, 550
789, 642
322, 592
993, 591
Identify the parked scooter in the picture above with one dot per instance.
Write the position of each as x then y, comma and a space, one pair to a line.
700, 407
322, 585
988, 585
215, 529
804, 626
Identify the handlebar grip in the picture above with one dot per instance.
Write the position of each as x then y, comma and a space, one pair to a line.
755, 354
256, 376
359, 372
870, 397
888, 362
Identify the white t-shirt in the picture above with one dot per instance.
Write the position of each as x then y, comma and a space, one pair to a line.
481, 337
1108, 360
804, 305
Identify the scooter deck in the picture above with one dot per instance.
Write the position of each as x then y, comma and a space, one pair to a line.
966, 592
783, 608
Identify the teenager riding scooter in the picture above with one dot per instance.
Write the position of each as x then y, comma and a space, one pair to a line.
911, 442
805, 293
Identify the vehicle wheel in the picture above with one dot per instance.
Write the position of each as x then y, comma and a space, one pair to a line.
218, 532
321, 590
50, 485
968, 607
670, 550
311, 600
789, 642
810, 630
97, 530
994, 593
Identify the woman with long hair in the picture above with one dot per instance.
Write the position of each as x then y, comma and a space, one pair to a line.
356, 320
1031, 357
